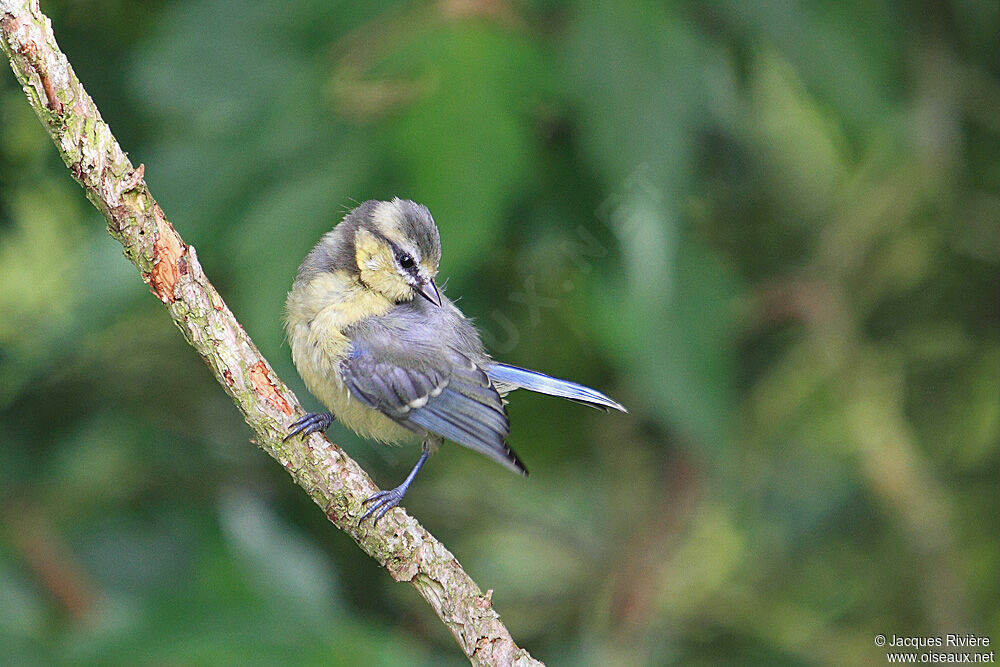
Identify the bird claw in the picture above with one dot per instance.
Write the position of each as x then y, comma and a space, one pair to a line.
382, 502
310, 423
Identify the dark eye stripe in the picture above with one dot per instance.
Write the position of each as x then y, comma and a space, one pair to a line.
403, 258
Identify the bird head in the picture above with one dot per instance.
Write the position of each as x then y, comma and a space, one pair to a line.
392, 246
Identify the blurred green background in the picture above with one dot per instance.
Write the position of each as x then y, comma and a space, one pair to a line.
770, 229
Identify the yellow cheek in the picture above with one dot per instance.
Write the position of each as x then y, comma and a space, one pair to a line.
378, 268
388, 284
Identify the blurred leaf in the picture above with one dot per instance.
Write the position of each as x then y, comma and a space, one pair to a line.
802, 145
278, 559
466, 145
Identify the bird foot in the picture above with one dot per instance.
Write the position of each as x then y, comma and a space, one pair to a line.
382, 502
310, 423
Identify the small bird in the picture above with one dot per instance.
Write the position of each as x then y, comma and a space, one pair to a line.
393, 359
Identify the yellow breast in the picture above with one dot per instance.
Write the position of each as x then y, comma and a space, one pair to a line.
316, 314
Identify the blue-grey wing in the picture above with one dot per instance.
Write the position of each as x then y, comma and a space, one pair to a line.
438, 390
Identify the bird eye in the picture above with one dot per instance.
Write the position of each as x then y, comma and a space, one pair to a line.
405, 260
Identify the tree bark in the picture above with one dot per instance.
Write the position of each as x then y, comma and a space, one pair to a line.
171, 268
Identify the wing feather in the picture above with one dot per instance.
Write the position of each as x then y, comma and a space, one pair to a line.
444, 393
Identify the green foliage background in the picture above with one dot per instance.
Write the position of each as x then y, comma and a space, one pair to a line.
770, 229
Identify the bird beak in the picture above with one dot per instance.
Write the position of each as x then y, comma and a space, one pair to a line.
429, 291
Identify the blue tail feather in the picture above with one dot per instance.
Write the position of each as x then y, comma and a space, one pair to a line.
522, 378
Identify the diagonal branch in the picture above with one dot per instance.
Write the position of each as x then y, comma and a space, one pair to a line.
171, 268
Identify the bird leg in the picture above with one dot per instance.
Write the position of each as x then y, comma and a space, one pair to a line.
383, 501
310, 423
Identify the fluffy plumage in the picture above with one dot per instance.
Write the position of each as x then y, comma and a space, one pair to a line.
392, 357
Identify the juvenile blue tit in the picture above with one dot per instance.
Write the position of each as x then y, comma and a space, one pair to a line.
393, 359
